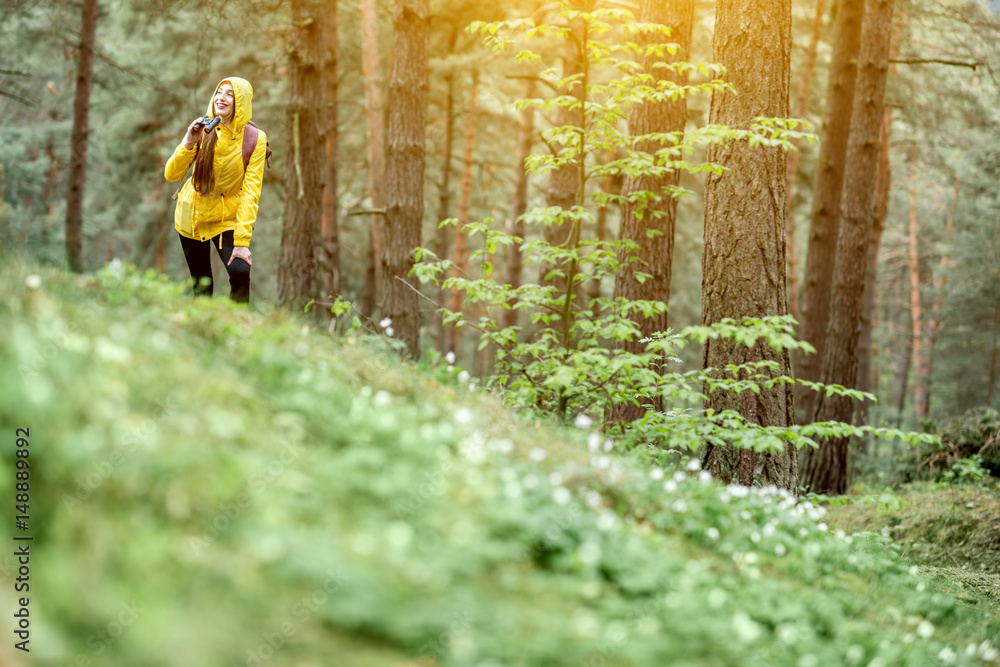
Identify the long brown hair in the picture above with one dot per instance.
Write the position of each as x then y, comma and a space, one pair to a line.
204, 165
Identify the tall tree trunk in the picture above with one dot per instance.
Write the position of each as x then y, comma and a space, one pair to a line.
404, 210
375, 120
639, 219
744, 256
866, 346
298, 267
902, 347
610, 184
525, 139
993, 353
825, 470
81, 127
805, 86
564, 181
460, 254
330, 231
934, 322
916, 308
822, 249
444, 187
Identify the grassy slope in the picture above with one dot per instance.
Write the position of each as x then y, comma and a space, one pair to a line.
951, 531
365, 514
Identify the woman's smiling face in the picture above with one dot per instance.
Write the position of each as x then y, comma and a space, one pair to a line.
225, 101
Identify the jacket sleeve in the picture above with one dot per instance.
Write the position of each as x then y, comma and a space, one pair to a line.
178, 163
246, 215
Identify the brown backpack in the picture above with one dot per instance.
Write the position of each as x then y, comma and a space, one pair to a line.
250, 135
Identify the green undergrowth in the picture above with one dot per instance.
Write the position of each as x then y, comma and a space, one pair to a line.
212, 485
951, 530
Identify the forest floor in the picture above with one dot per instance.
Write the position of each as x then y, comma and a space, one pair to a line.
952, 532
212, 485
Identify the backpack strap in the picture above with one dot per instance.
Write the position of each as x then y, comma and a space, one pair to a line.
250, 136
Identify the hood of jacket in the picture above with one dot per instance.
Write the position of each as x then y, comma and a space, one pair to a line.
243, 94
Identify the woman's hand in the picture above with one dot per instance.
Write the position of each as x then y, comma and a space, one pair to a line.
242, 252
194, 134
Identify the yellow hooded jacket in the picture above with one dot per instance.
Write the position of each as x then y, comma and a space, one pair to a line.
234, 203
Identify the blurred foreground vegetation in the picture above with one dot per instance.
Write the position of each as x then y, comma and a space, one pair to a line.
213, 485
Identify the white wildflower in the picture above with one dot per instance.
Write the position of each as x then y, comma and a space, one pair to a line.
33, 281
593, 442
464, 377
450, 357
712, 533
555, 478
537, 454
582, 421
656, 474
925, 630
670, 486
679, 506
694, 464
463, 415
561, 495
385, 323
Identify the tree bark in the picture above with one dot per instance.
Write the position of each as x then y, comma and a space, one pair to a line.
825, 470
298, 267
822, 249
638, 219
375, 119
81, 127
866, 346
330, 232
934, 322
564, 181
744, 256
805, 86
916, 307
460, 250
525, 139
404, 210
444, 187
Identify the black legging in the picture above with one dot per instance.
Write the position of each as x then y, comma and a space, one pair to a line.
199, 261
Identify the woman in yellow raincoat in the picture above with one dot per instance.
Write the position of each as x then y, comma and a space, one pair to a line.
218, 204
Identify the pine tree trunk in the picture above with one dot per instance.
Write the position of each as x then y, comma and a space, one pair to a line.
610, 184
825, 470
444, 190
934, 322
823, 230
866, 346
916, 308
298, 267
564, 181
404, 204
744, 256
805, 86
902, 346
656, 253
525, 139
460, 251
81, 127
330, 232
374, 129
